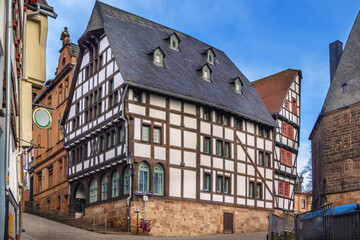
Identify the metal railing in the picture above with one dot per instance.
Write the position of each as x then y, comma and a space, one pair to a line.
323, 223
279, 225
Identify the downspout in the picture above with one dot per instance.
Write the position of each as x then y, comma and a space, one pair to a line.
19, 187
9, 35
123, 117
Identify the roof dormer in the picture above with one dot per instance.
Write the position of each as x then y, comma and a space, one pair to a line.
158, 57
206, 71
174, 42
210, 56
237, 84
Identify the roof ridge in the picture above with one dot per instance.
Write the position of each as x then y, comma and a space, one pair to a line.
275, 74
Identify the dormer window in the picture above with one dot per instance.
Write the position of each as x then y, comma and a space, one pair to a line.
174, 42
238, 85
206, 73
344, 88
210, 56
158, 57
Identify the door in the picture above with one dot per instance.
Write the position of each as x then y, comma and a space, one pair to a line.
228, 223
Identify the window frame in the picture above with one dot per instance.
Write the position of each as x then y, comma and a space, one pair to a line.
174, 39
126, 178
141, 171
294, 106
104, 187
207, 145
158, 57
115, 184
227, 185
207, 180
219, 183
207, 115
251, 189
159, 129
148, 134
93, 191
259, 195
219, 151
158, 171
227, 150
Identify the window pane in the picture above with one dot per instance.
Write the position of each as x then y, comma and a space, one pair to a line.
207, 145
227, 185
146, 133
227, 150
207, 183
115, 184
218, 148
158, 180
258, 191
157, 135
143, 177
104, 188
218, 184
251, 190
127, 181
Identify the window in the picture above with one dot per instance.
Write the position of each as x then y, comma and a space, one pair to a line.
87, 72
104, 188
285, 157
288, 158
66, 88
120, 135
267, 160
238, 85
219, 148
226, 121
113, 138
101, 61
159, 180
108, 140
206, 73
48, 138
174, 42
158, 57
302, 203
283, 128
261, 158
49, 101
102, 143
267, 133
207, 182
143, 177
137, 96
287, 130
344, 88
239, 124
207, 115
93, 191
251, 189
210, 56
126, 180
145, 133
39, 182
115, 184
284, 189
207, 144
287, 105
260, 131
227, 185
258, 191
294, 106
157, 135
219, 118
219, 184
227, 150
60, 170
60, 94
50, 176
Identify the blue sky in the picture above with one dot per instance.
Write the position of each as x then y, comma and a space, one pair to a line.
261, 37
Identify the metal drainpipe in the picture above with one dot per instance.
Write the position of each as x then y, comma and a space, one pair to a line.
19, 186
123, 117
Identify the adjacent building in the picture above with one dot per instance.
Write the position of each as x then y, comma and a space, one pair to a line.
302, 202
155, 110
335, 141
281, 95
50, 182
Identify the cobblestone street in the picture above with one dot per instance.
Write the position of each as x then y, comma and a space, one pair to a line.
38, 228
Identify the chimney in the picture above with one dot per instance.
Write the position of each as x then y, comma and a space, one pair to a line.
335, 51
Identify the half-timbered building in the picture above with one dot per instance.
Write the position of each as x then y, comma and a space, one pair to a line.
281, 95
155, 110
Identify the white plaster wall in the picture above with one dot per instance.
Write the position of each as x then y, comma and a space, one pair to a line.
205, 196
189, 108
190, 140
154, 113
175, 182
190, 122
190, 159
229, 134
136, 109
217, 163
205, 160
85, 59
190, 184
175, 156
250, 127
142, 150
160, 153
137, 129
157, 101
175, 105
104, 43
175, 119
217, 131
205, 128
175, 137
118, 80
229, 165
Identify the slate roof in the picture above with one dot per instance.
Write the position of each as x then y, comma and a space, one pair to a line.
273, 89
133, 38
74, 50
347, 72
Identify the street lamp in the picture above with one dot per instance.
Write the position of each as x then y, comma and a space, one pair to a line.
129, 159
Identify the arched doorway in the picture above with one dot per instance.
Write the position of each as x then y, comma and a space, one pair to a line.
80, 198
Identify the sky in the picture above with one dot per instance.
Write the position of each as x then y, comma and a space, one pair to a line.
261, 37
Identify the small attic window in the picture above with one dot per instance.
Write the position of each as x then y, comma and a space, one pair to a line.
344, 88
158, 57
206, 73
238, 85
210, 56
174, 42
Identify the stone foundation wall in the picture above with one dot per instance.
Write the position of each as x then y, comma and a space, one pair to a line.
115, 212
344, 197
185, 218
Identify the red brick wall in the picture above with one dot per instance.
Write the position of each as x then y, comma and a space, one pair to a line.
336, 155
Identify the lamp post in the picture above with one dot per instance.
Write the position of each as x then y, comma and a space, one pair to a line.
129, 162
